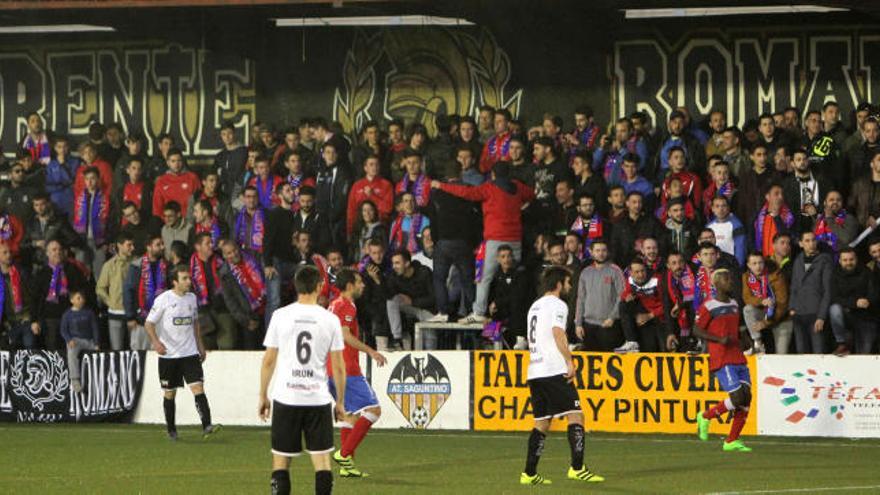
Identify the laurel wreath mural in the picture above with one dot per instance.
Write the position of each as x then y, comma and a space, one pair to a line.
427, 72
41, 377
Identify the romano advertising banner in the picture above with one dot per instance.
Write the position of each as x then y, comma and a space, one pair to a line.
424, 390
35, 386
819, 396
644, 393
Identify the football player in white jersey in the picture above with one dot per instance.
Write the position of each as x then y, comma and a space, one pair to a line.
550, 376
173, 328
300, 338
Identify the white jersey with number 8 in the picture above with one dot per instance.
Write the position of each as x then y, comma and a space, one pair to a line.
546, 360
304, 335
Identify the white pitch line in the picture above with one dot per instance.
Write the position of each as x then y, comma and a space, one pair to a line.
801, 490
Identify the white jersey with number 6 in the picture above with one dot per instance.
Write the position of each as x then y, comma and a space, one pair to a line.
304, 335
546, 360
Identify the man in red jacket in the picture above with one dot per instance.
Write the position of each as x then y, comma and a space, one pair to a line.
177, 184
88, 152
372, 187
502, 201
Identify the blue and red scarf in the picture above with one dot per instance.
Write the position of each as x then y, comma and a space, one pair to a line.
681, 292
213, 229
38, 148
295, 182
412, 240
97, 215
250, 238
479, 261
704, 289
760, 287
499, 147
784, 214
589, 234
419, 188
57, 284
249, 276
150, 285
825, 234
200, 278
266, 190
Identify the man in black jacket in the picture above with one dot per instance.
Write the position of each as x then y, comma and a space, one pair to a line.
853, 302
681, 232
804, 191
246, 315
43, 226
810, 295
141, 229
278, 259
332, 184
636, 225
509, 298
374, 314
456, 228
230, 161
410, 291
307, 219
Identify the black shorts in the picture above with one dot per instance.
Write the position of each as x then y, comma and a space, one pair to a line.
173, 371
553, 396
291, 423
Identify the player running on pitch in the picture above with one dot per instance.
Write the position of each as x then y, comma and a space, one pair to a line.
718, 323
301, 337
173, 328
361, 405
550, 374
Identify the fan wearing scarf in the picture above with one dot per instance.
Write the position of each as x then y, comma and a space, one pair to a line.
16, 306
641, 312
206, 222
704, 290
90, 219
835, 227
36, 142
53, 284
250, 222
244, 291
773, 218
217, 325
765, 299
588, 225
147, 278
678, 296
265, 182
415, 182
406, 231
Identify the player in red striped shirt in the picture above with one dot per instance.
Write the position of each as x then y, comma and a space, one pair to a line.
361, 405
718, 323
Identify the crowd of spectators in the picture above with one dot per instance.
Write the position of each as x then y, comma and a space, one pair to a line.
456, 226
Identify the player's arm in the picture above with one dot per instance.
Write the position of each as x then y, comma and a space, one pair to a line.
197, 333
356, 343
266, 372
150, 327
338, 364
562, 345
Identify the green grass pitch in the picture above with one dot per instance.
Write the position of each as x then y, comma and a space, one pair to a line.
139, 459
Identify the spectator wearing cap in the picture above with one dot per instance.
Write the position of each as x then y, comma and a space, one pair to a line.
502, 201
